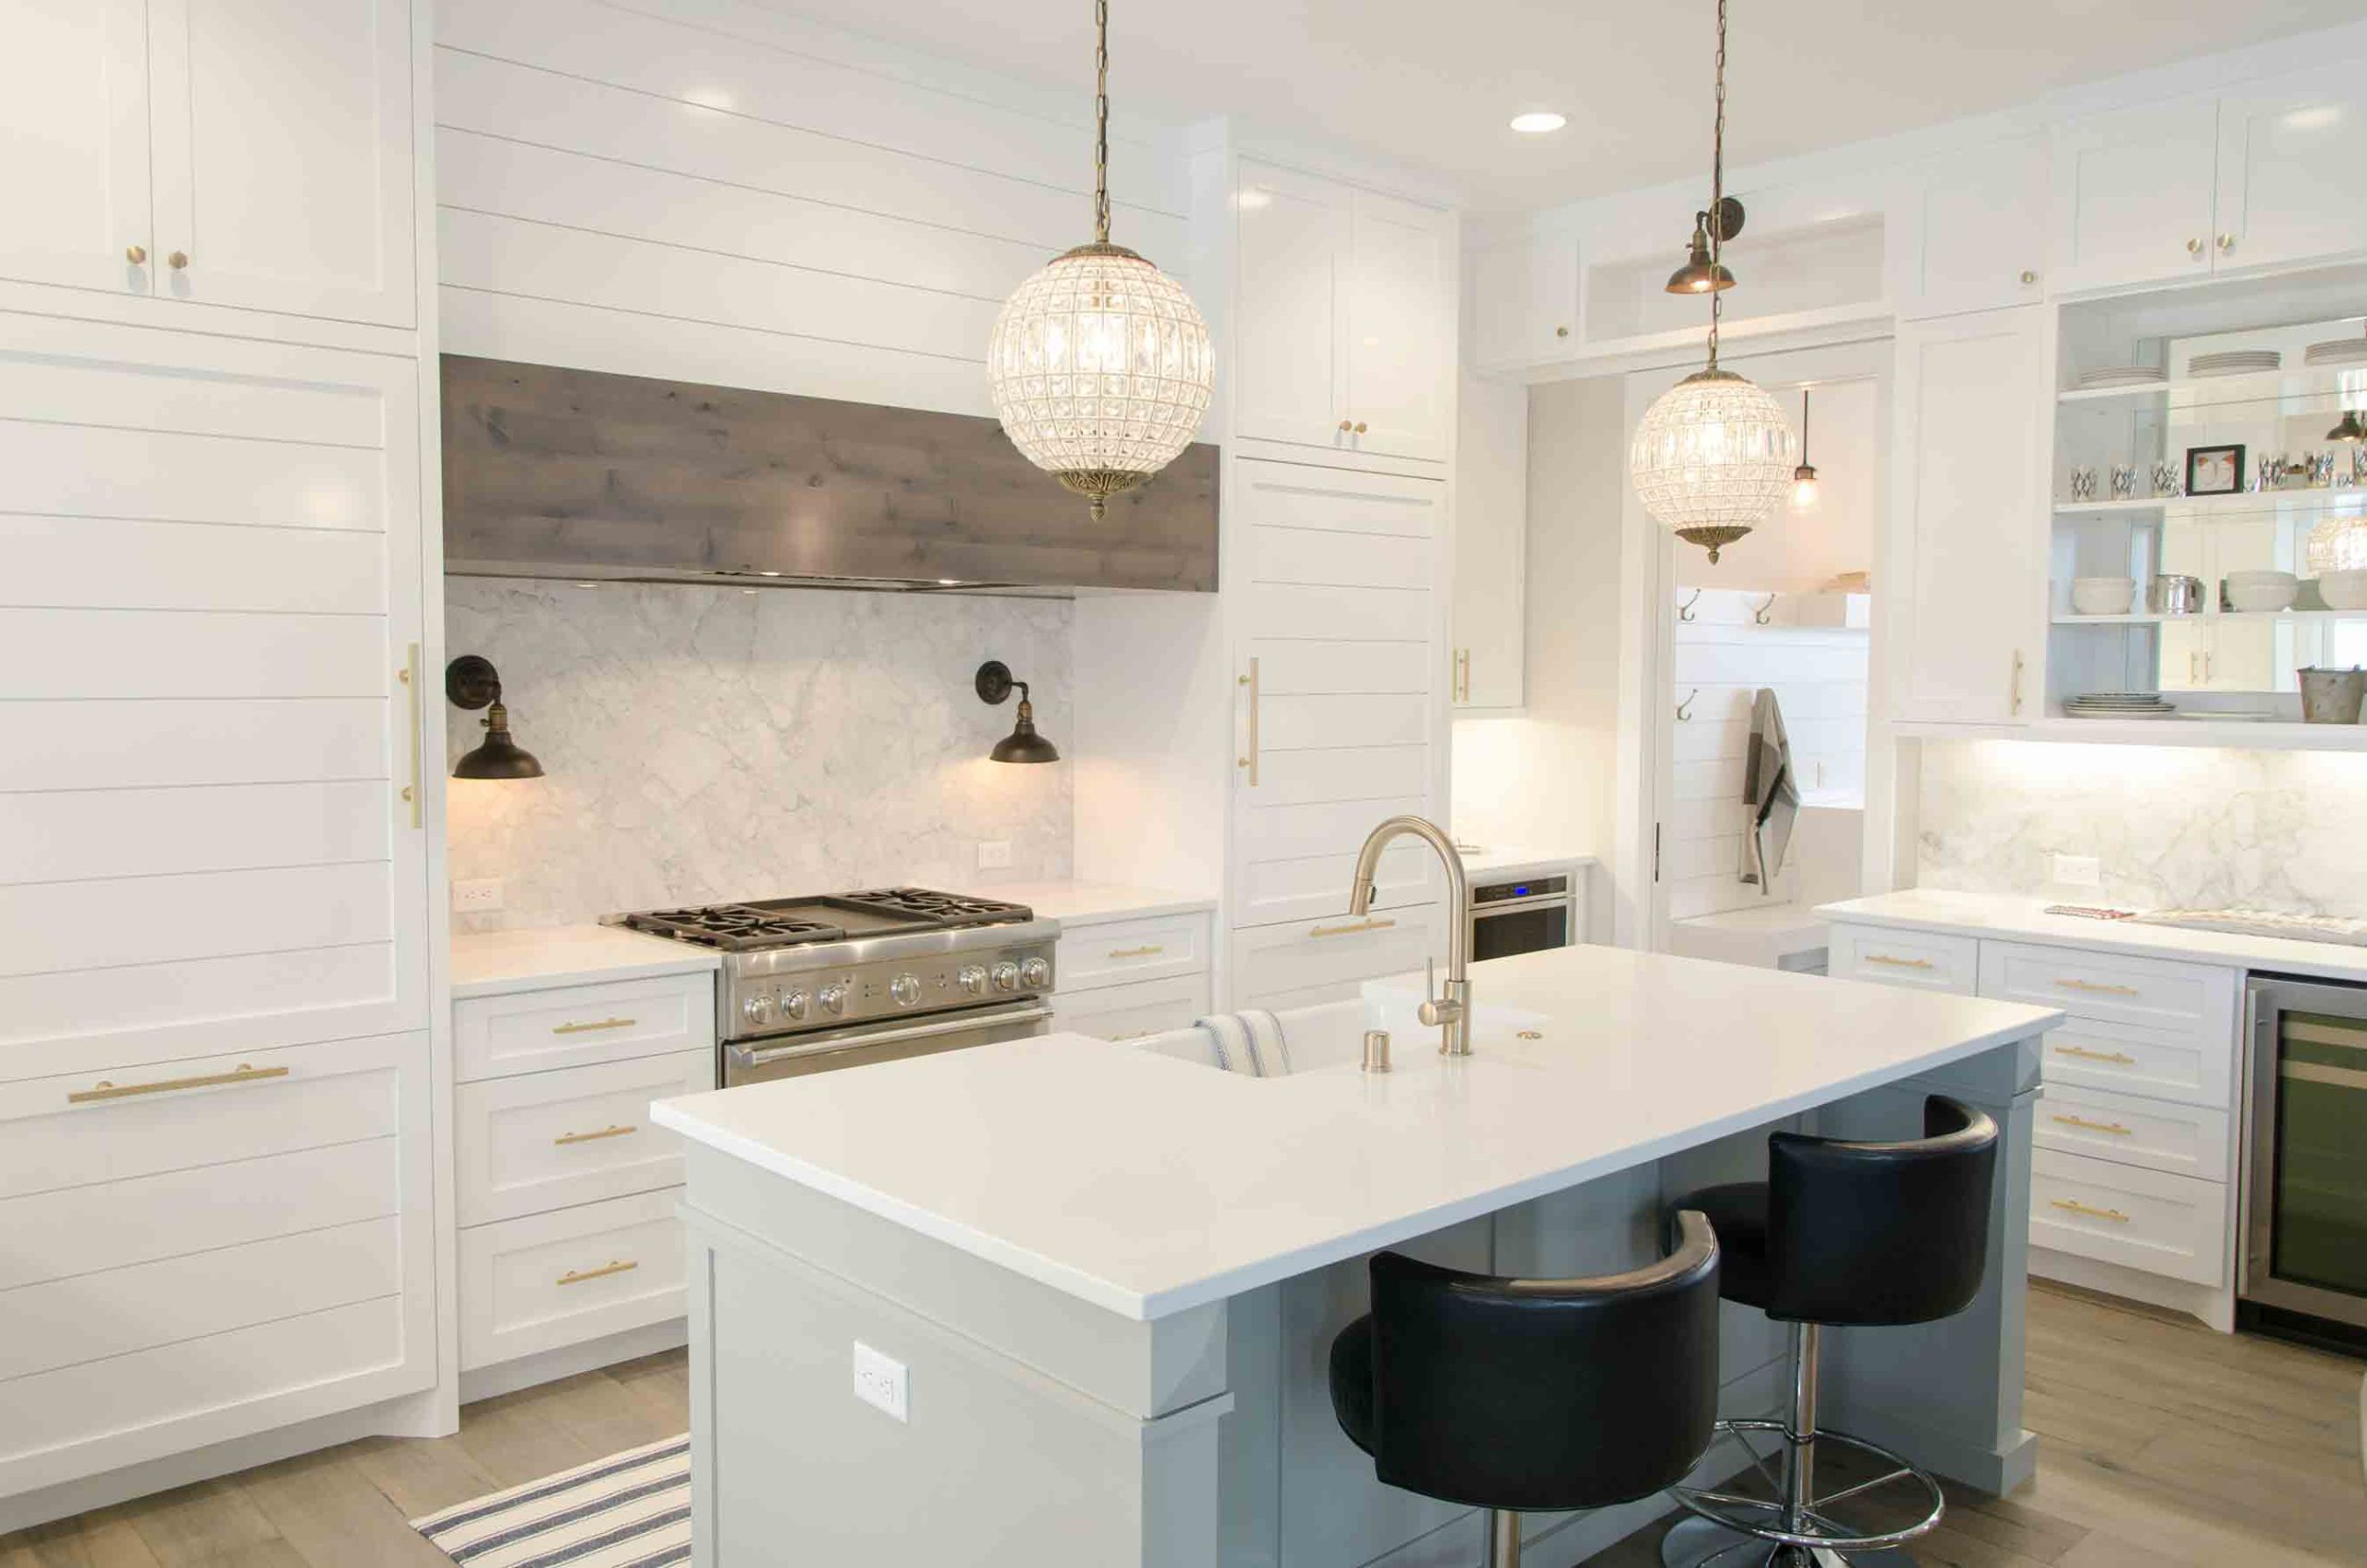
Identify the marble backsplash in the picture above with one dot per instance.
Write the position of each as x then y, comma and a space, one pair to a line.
702, 743
2172, 826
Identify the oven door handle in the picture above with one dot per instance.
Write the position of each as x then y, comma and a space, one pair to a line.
749, 1055
1519, 906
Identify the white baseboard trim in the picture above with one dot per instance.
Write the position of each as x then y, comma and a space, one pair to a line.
2214, 1305
508, 1376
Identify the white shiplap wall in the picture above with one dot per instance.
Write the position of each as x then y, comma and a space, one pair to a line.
710, 191
1722, 660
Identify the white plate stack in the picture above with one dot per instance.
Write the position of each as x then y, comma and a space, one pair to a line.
2235, 362
2127, 375
2117, 705
2339, 352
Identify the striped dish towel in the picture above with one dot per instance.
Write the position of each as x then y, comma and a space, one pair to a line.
631, 1510
1248, 1042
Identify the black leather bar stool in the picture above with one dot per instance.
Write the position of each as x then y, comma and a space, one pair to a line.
1861, 1234
1534, 1394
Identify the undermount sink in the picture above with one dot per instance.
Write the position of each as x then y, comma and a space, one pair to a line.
1331, 1037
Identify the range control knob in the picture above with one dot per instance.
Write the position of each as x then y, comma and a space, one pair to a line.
973, 979
1006, 976
905, 988
1035, 973
757, 1010
795, 1004
834, 998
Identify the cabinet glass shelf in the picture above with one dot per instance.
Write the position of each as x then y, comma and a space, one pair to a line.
2246, 503
2299, 390
2141, 617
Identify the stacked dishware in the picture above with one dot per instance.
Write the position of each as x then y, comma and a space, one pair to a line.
2253, 591
2103, 596
2117, 705
2338, 351
2235, 362
2120, 375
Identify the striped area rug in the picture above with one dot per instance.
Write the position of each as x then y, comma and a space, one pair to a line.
631, 1510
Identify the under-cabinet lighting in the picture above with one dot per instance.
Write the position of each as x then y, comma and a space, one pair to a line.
1537, 122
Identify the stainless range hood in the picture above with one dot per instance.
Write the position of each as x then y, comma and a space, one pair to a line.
581, 475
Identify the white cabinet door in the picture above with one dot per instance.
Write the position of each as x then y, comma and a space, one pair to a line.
2292, 185
1290, 350
1969, 569
1491, 539
283, 151
74, 115
2132, 194
1524, 301
1307, 962
1975, 234
1401, 326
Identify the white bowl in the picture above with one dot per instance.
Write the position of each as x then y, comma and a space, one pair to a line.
2103, 596
2262, 590
2343, 590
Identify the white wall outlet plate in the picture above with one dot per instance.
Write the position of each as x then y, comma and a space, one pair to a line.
480, 896
2078, 871
994, 855
882, 1382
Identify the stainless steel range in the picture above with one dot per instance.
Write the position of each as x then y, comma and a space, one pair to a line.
811, 985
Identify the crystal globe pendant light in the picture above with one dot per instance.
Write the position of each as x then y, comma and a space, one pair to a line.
1713, 456
1100, 364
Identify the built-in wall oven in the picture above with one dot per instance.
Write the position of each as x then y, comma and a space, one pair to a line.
1522, 915
2302, 1263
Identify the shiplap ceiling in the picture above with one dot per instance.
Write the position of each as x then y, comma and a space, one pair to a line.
1432, 84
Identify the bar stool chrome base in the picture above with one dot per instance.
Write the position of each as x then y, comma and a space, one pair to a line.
1697, 1543
1730, 1531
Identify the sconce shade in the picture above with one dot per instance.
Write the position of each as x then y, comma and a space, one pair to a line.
470, 682
994, 686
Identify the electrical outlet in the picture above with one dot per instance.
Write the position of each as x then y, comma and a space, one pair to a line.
482, 896
882, 1382
994, 855
2078, 871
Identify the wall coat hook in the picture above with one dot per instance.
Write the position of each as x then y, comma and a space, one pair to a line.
1684, 708
1759, 616
1685, 611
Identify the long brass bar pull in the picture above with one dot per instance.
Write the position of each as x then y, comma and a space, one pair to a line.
1353, 927
1898, 963
577, 1276
242, 1073
594, 1025
566, 1138
2069, 1207
1250, 761
2115, 1127
2118, 1059
409, 676
2098, 987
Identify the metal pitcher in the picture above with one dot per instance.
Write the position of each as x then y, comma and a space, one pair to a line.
2332, 696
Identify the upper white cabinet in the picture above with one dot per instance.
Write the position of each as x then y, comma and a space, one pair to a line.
2132, 194
1491, 542
1345, 306
2292, 184
1967, 570
1974, 235
1524, 301
245, 152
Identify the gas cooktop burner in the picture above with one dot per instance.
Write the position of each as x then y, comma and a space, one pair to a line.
942, 908
788, 923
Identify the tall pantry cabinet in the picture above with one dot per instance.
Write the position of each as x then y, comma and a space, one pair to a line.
220, 804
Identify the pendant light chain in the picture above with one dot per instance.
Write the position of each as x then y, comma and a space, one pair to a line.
1717, 182
1102, 119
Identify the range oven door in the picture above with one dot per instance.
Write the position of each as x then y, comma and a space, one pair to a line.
2305, 1194
756, 1061
1520, 925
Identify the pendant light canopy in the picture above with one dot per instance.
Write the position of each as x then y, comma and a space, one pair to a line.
1099, 364
1713, 455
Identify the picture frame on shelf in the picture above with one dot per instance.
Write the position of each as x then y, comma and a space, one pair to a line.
2215, 471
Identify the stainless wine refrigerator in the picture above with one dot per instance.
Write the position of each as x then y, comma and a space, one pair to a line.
2303, 1260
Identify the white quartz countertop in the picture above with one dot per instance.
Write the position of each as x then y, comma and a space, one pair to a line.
1497, 859
1992, 914
1094, 902
1149, 1186
493, 963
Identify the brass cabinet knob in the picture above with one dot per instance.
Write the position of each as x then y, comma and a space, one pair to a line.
135, 254
1346, 426
2194, 247
1360, 427
2029, 276
179, 259
2227, 242
1561, 332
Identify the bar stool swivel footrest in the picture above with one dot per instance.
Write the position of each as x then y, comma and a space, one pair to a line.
1730, 1531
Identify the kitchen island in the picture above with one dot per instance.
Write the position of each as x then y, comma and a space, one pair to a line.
1056, 1301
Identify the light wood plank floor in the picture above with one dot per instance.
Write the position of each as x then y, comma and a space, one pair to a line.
2163, 1444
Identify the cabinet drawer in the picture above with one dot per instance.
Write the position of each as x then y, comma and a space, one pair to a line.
1093, 956
2185, 1140
1323, 961
2186, 998
2189, 1068
549, 1140
2124, 1214
1126, 1012
552, 1279
535, 1031
1922, 960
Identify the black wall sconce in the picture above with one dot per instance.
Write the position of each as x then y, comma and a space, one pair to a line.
1023, 744
470, 681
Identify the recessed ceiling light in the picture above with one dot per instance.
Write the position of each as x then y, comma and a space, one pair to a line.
1537, 122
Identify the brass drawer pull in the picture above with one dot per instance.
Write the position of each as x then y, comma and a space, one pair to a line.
1899, 962
577, 1276
566, 1138
2118, 1059
2111, 1213
409, 676
2099, 986
242, 1073
1353, 927
1137, 953
596, 1024
2115, 1127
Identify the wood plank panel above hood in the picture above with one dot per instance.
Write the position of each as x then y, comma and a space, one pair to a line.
558, 473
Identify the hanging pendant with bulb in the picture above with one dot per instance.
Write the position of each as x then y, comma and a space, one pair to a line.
1806, 488
1713, 455
1099, 364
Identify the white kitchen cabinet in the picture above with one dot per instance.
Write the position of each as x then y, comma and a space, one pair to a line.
1305, 963
1345, 306
254, 153
1119, 976
1524, 301
2292, 185
2132, 194
545, 1282
1489, 653
1974, 232
1968, 590
1132, 1010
